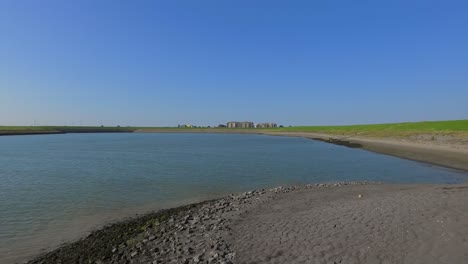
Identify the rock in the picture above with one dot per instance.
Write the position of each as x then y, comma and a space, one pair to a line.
360, 196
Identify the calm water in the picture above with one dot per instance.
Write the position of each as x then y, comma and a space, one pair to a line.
53, 188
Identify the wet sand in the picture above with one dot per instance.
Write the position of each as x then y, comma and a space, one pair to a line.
451, 154
441, 150
389, 224
336, 223
320, 223
427, 148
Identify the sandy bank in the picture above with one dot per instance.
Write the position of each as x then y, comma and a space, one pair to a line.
452, 154
447, 153
322, 223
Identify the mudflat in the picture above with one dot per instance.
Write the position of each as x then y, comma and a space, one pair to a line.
319, 223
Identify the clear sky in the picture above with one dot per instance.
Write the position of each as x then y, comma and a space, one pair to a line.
161, 63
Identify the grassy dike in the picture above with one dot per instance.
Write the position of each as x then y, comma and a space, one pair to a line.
451, 127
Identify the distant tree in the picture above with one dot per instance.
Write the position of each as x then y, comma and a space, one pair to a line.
281, 126
102, 125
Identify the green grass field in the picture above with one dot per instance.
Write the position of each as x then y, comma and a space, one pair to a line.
455, 127
394, 129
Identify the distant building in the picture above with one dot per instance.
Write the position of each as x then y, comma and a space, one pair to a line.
266, 125
240, 125
185, 126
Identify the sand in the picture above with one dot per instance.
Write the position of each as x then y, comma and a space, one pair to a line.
440, 149
389, 224
443, 150
320, 223
450, 153
334, 223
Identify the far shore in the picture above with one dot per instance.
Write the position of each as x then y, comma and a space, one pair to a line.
452, 155
448, 151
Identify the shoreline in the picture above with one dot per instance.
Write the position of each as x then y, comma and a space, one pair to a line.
425, 152
288, 224
30, 133
117, 229
442, 155
118, 235
434, 153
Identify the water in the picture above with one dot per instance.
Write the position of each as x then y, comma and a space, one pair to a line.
54, 188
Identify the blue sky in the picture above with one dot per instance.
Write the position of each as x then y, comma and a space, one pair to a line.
161, 63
